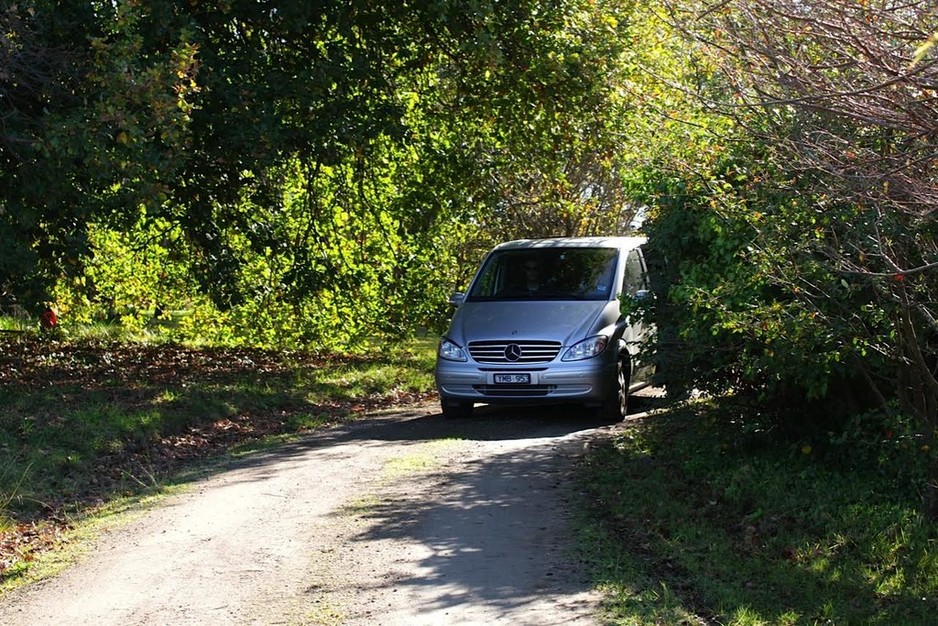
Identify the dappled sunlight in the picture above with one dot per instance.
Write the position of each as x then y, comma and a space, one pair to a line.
486, 529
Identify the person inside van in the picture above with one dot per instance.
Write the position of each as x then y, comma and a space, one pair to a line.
527, 276
531, 274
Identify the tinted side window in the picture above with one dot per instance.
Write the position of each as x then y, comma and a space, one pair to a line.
634, 279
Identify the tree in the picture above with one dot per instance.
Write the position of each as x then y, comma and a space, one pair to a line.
301, 151
841, 95
91, 129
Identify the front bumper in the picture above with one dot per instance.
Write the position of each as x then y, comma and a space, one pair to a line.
586, 381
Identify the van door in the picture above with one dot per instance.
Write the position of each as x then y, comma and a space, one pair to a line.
635, 289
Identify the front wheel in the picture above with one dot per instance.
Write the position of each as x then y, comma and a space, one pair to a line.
615, 407
456, 410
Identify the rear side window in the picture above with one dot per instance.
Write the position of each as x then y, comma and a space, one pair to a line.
547, 274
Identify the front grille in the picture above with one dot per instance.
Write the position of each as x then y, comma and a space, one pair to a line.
515, 391
521, 352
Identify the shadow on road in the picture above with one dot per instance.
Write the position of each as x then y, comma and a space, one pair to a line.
490, 528
495, 531
488, 423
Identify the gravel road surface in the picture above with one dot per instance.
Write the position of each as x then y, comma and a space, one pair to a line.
399, 518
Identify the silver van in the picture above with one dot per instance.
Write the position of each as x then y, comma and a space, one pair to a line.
542, 323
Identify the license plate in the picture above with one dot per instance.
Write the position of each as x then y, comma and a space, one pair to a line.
512, 379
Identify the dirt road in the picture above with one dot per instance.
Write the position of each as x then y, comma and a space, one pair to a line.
403, 518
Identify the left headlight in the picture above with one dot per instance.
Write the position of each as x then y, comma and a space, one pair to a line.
586, 349
450, 351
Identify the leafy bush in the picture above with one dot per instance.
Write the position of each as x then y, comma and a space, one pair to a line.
746, 303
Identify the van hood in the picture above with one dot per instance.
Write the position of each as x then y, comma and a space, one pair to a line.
566, 321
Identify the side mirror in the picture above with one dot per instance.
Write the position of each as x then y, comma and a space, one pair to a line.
643, 294
457, 298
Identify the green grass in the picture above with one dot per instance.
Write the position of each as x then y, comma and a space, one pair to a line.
425, 458
17, 325
694, 516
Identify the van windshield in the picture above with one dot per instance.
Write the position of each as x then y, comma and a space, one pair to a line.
547, 274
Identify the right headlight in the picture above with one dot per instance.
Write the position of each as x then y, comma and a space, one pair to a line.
586, 349
450, 351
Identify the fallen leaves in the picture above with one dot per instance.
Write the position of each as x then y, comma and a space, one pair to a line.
23, 542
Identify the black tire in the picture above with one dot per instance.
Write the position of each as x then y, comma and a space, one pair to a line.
457, 410
616, 405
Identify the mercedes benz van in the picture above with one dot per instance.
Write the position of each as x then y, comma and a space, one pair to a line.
543, 322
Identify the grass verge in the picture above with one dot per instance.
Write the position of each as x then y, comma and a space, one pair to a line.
84, 425
696, 519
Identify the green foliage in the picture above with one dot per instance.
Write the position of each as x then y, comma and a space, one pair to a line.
749, 300
321, 173
131, 279
841, 196
748, 303
96, 125
703, 516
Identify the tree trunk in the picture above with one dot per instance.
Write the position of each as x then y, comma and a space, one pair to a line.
931, 489
918, 393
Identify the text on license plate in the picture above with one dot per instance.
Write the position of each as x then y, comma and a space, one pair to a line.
512, 379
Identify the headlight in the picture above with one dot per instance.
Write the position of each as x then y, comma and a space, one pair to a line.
586, 349
451, 352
